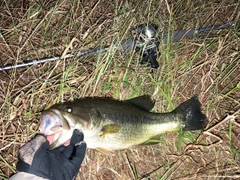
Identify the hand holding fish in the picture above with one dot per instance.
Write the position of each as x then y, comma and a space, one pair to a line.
36, 161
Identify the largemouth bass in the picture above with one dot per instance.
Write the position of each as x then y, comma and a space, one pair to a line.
109, 124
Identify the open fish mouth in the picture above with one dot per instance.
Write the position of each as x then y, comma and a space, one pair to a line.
51, 126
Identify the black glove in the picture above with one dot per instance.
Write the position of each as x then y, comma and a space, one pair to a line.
62, 163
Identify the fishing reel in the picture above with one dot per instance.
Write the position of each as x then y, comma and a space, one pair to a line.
146, 43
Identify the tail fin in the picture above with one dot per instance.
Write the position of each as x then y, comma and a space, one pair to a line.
193, 118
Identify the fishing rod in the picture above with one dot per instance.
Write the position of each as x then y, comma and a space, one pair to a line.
146, 41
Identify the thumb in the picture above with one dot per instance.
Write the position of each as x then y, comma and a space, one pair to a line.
79, 154
77, 137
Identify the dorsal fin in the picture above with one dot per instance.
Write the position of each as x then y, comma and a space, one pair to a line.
144, 102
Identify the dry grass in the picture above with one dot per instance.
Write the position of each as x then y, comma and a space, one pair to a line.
207, 65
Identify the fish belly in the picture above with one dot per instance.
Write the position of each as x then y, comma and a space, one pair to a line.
130, 135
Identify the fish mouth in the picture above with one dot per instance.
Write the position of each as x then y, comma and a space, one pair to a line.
52, 125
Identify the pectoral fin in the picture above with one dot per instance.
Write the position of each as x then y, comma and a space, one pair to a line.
110, 129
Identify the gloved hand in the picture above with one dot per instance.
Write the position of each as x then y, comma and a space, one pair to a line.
62, 163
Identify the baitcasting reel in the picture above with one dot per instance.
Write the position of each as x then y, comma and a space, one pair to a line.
146, 42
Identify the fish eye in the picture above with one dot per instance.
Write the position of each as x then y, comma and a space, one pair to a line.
69, 109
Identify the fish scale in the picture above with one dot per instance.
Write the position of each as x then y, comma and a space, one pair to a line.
109, 124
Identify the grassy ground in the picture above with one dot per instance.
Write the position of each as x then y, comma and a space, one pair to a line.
207, 65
